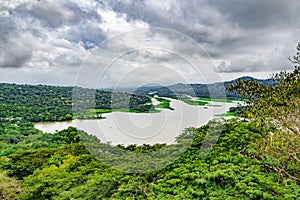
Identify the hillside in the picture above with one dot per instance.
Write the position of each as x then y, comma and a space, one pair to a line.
37, 103
214, 90
71, 164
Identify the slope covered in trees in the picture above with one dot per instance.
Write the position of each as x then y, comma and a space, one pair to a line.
256, 158
53, 103
277, 110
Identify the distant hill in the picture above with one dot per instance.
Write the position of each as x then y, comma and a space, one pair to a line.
214, 90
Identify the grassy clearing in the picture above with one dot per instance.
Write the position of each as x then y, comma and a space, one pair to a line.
164, 103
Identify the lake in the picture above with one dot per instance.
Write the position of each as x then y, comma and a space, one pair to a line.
144, 128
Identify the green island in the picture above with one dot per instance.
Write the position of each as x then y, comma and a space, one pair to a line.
201, 101
164, 103
96, 113
253, 156
192, 102
216, 100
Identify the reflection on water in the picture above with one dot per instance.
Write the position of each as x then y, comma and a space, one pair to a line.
144, 128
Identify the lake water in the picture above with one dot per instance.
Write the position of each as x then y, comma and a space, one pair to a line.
144, 128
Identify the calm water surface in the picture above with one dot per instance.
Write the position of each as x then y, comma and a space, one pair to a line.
144, 128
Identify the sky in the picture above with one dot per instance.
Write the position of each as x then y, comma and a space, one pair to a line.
130, 43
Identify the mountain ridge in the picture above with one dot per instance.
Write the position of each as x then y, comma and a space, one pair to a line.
212, 90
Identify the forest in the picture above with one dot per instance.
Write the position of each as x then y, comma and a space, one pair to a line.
256, 155
53, 103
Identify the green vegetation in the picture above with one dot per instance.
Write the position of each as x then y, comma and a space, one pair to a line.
93, 114
9, 187
216, 100
96, 113
276, 109
69, 171
192, 102
234, 111
134, 111
256, 158
51, 103
227, 114
164, 103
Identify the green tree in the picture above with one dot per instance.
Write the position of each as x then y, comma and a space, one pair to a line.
276, 108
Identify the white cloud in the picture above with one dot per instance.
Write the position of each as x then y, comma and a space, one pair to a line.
137, 55
114, 23
47, 41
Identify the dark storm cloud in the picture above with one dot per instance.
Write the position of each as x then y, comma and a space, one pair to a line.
26, 27
231, 30
260, 13
12, 52
89, 34
7, 26
54, 36
14, 55
166, 19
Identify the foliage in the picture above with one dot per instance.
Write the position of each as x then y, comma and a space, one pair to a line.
9, 187
253, 158
227, 171
216, 100
192, 102
18, 136
164, 103
145, 148
276, 108
52, 103
67, 136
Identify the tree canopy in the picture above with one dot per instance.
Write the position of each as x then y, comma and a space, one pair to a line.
256, 155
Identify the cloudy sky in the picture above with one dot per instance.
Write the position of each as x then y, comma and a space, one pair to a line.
134, 42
